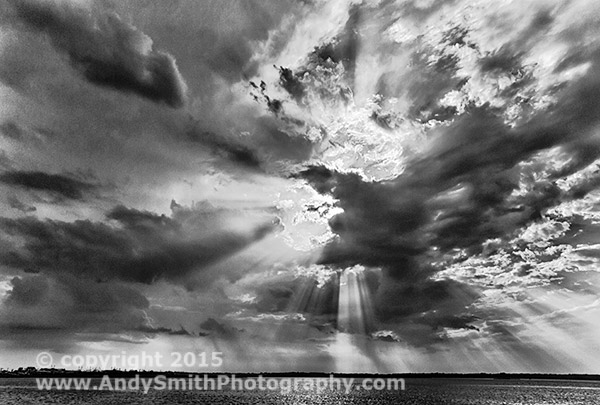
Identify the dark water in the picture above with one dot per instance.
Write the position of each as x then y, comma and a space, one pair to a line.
431, 392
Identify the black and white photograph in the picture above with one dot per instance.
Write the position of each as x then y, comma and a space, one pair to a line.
300, 202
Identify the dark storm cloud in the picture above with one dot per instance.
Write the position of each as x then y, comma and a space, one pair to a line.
430, 81
507, 59
214, 327
276, 136
141, 246
433, 71
366, 204
155, 330
14, 202
105, 50
28, 291
88, 295
68, 305
452, 321
229, 149
300, 295
399, 299
11, 130
420, 309
291, 83
210, 38
430, 330
455, 195
16, 132
504, 60
58, 184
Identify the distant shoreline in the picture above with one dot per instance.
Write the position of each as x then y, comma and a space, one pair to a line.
31, 372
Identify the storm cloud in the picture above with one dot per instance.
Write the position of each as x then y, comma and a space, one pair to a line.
456, 194
106, 50
141, 246
360, 186
58, 184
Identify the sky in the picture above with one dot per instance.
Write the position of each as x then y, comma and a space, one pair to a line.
302, 185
